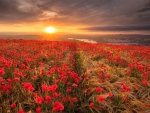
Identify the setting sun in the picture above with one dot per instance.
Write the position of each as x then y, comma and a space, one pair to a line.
50, 30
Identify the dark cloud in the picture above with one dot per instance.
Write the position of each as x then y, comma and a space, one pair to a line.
77, 12
143, 10
7, 7
146, 8
17, 11
118, 28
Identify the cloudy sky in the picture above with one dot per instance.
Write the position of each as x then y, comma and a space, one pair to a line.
76, 16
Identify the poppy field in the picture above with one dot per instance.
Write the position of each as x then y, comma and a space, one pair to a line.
73, 77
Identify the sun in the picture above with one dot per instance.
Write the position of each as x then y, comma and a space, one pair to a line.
50, 30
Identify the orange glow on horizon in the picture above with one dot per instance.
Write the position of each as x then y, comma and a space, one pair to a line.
40, 28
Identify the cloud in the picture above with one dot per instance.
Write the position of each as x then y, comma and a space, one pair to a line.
144, 10
76, 12
12, 11
118, 28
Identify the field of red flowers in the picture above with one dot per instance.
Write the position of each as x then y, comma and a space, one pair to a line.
69, 77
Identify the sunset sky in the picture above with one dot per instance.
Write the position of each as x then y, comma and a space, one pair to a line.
76, 16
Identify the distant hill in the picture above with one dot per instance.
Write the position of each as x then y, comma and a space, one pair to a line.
143, 40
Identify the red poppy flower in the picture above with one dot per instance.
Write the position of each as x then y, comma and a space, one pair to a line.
16, 79
144, 82
74, 99
39, 100
2, 72
13, 105
21, 111
56, 95
44, 87
1, 80
84, 91
69, 89
28, 86
91, 105
128, 72
74, 85
125, 99
98, 89
38, 110
101, 99
48, 99
110, 94
9, 80
52, 88
58, 107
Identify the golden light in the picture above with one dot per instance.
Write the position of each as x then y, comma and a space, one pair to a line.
50, 30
